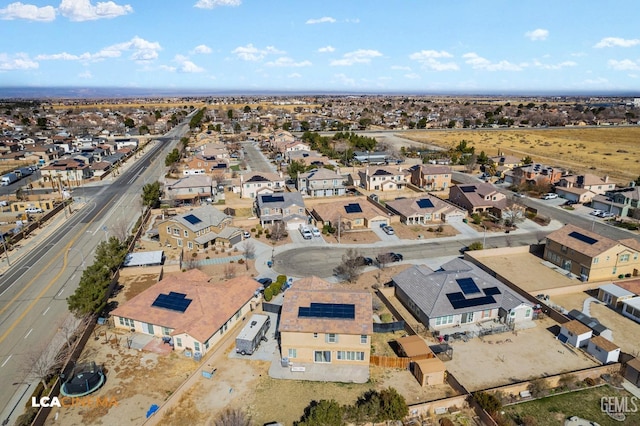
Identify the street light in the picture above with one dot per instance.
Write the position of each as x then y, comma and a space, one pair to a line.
6, 421
484, 237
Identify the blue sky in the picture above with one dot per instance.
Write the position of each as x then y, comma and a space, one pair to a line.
409, 46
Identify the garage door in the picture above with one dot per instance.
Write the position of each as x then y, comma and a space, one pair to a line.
235, 239
377, 223
295, 224
454, 218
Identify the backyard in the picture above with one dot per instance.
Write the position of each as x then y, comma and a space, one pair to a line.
586, 404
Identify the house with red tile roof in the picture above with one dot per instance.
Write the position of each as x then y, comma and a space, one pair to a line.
192, 309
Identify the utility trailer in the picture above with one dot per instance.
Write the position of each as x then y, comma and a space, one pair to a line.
252, 334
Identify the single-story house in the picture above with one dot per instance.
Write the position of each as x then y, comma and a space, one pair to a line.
426, 210
613, 295
578, 195
575, 333
189, 309
353, 213
631, 308
603, 350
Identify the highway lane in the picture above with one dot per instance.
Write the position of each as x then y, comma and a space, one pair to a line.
33, 292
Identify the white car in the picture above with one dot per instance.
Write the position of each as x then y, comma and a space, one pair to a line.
550, 196
596, 213
33, 210
388, 230
315, 232
246, 234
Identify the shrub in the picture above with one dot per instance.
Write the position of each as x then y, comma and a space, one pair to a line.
476, 219
567, 381
476, 246
590, 381
253, 230
268, 294
386, 317
488, 401
281, 279
194, 254
538, 386
241, 262
445, 422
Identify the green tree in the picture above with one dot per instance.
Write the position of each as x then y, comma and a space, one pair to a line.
111, 253
128, 122
90, 296
527, 160
230, 114
42, 122
172, 157
196, 119
247, 109
157, 114
143, 130
488, 401
286, 126
305, 126
323, 413
151, 195
482, 158
296, 167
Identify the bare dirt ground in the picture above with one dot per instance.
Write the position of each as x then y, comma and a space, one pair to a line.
353, 237
626, 333
508, 358
601, 151
414, 232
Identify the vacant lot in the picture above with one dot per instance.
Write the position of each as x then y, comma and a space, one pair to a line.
626, 333
553, 410
508, 358
610, 151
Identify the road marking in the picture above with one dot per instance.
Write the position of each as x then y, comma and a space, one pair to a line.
60, 292
6, 360
45, 312
27, 335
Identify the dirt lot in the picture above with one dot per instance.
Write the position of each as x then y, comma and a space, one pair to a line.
414, 232
508, 358
366, 236
599, 151
626, 333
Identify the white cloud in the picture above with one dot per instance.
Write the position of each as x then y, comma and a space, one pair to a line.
141, 49
400, 68
429, 59
294, 75
210, 4
28, 11
190, 67
478, 62
83, 10
537, 34
557, 66
202, 49
624, 65
326, 49
86, 75
616, 42
361, 56
287, 62
323, 20
252, 53
347, 81
20, 61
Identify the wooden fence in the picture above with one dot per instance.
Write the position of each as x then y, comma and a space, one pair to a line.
390, 362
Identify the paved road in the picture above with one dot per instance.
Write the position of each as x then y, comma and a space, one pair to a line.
255, 159
33, 291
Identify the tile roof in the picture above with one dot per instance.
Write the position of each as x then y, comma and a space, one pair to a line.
322, 174
331, 211
576, 327
605, 344
430, 169
205, 215
212, 305
411, 206
415, 347
576, 242
315, 290
430, 290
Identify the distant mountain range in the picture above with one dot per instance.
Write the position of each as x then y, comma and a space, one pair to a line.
133, 92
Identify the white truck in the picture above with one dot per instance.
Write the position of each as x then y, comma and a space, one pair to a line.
8, 179
252, 334
306, 232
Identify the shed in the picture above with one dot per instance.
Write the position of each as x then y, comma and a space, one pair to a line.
414, 347
144, 258
632, 371
575, 333
613, 295
428, 371
631, 308
603, 350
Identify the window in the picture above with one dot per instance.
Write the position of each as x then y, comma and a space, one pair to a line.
293, 353
127, 322
186, 233
179, 242
166, 331
238, 313
363, 339
595, 260
190, 245
322, 356
315, 335
350, 355
178, 342
196, 346
176, 231
447, 319
624, 257
331, 338
168, 229
528, 312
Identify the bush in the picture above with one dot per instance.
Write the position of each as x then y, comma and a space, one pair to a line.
446, 422
281, 279
268, 294
241, 262
194, 254
538, 386
386, 317
253, 230
476, 246
590, 381
476, 219
488, 401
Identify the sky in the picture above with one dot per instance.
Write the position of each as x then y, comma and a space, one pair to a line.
402, 46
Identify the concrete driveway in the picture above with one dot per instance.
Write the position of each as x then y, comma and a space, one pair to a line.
384, 236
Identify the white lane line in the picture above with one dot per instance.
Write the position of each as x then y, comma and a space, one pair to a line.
27, 335
6, 360
60, 292
45, 312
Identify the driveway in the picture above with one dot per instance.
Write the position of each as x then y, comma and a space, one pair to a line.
383, 235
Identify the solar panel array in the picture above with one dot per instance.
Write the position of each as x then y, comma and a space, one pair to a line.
353, 208
581, 237
328, 310
467, 285
272, 198
471, 188
424, 203
192, 219
177, 302
458, 300
491, 291
258, 178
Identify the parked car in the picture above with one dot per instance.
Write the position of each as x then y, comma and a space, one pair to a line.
246, 234
315, 232
550, 196
606, 214
366, 261
266, 282
394, 257
306, 233
596, 212
518, 195
570, 203
32, 210
388, 230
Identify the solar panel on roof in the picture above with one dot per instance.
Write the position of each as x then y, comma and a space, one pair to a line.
455, 296
471, 188
272, 198
172, 301
353, 208
491, 291
424, 203
583, 238
328, 310
467, 303
467, 285
192, 219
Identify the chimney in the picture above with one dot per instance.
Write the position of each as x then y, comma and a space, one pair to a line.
606, 178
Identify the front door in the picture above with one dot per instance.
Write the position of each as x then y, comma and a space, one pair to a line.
148, 328
466, 318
